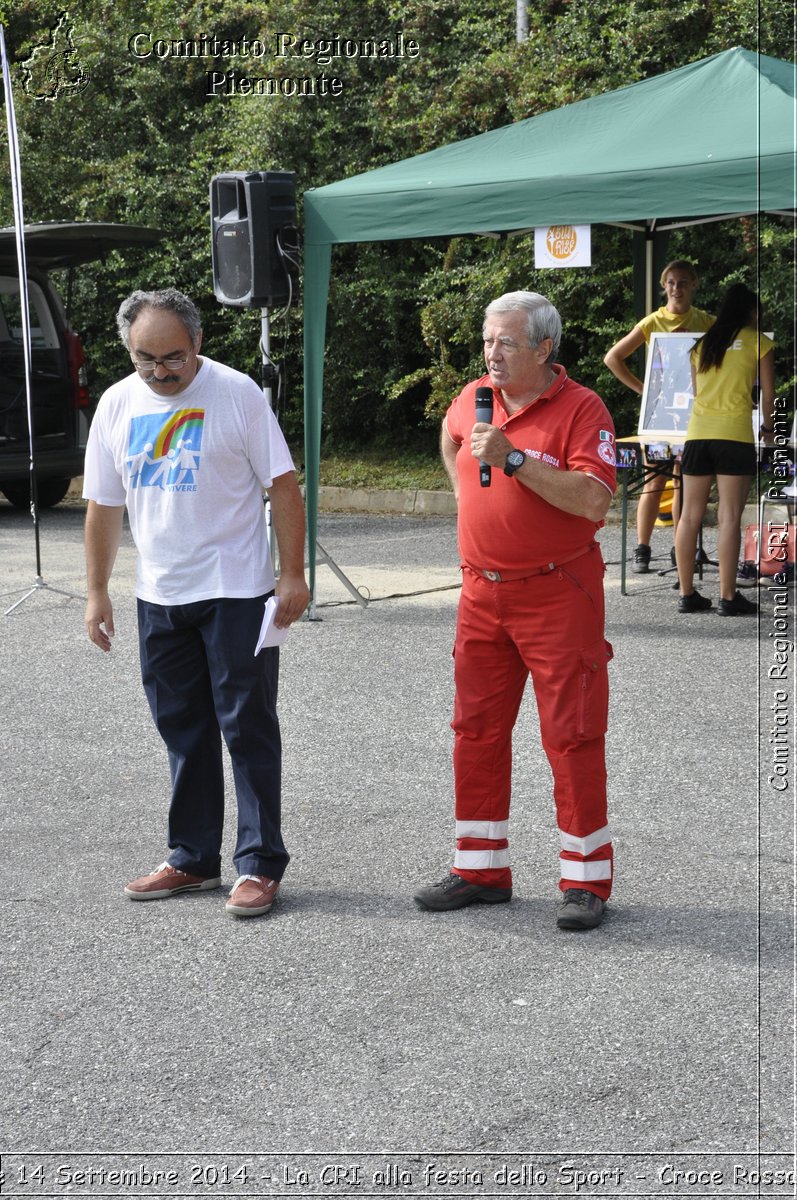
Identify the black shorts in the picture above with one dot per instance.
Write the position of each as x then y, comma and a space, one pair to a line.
717, 456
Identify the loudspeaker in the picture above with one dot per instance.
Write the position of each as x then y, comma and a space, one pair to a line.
254, 239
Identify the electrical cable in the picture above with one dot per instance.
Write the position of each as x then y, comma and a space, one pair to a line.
448, 587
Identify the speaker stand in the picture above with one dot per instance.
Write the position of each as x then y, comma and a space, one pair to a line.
38, 586
270, 376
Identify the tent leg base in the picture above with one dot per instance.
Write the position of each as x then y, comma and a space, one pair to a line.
323, 557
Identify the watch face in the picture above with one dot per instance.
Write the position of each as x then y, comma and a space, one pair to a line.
514, 459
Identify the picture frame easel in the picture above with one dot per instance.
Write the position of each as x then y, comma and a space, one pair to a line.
667, 395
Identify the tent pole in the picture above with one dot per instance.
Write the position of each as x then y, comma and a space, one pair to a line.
316, 287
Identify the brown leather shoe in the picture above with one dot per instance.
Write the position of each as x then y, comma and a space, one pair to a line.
251, 896
168, 881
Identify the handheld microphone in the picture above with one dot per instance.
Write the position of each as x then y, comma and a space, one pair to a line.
484, 412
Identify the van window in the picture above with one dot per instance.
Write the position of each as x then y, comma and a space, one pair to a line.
43, 335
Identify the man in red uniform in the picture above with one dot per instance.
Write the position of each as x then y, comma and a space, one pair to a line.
531, 603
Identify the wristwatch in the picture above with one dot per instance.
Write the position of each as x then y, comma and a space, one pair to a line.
514, 460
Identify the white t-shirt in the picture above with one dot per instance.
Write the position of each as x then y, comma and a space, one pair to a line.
191, 469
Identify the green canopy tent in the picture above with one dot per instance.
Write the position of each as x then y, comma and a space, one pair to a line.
616, 158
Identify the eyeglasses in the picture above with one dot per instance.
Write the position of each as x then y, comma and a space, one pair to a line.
171, 364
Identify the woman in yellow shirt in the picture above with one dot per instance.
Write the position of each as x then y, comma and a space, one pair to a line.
679, 284
720, 442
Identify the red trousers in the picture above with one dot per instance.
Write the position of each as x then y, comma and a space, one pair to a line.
552, 627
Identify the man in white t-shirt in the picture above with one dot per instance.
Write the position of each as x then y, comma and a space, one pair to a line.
188, 446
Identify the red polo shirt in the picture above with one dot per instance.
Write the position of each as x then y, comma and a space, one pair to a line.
507, 526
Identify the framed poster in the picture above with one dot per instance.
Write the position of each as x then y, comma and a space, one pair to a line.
667, 394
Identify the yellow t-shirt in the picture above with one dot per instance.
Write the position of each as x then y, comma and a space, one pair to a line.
694, 320
723, 404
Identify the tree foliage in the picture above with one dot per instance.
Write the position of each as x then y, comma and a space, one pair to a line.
141, 142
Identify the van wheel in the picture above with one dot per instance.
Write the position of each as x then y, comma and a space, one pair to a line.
48, 491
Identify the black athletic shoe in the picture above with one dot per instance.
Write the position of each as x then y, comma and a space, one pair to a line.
694, 603
740, 606
641, 564
746, 575
580, 909
456, 892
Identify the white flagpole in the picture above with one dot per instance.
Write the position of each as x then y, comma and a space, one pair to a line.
19, 226
19, 230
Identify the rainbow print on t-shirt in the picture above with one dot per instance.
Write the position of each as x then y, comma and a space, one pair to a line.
165, 453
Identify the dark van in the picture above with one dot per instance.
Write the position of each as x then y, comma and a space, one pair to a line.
60, 396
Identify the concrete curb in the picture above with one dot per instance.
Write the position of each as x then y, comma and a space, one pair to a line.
420, 502
443, 504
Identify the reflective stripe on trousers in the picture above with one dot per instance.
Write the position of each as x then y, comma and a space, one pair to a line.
551, 627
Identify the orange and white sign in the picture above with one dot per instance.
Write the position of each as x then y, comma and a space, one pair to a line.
563, 246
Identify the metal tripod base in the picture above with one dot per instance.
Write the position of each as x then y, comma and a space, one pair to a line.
40, 586
701, 560
323, 557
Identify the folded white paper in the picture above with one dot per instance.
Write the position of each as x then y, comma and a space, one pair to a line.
270, 635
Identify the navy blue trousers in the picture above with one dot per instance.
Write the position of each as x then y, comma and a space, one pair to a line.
203, 682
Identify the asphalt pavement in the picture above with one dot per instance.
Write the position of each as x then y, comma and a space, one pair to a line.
348, 1029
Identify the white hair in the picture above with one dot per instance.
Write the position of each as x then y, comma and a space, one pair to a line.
542, 319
